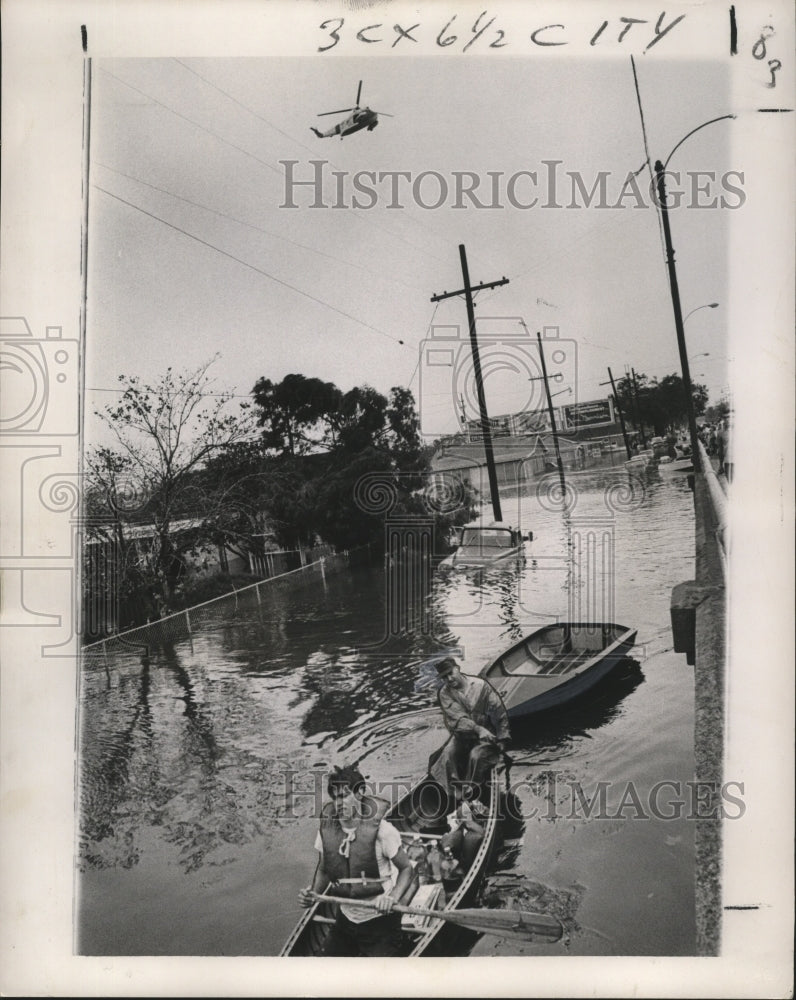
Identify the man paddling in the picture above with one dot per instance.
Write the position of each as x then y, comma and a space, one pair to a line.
476, 718
360, 856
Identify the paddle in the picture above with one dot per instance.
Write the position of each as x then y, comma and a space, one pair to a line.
520, 925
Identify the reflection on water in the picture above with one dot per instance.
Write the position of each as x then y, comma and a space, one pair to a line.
558, 734
187, 753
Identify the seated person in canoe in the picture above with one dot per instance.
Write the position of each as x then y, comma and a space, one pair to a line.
465, 831
476, 718
361, 857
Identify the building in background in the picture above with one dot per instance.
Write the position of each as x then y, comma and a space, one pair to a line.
524, 447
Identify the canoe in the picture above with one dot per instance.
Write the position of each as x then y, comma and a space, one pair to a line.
420, 811
555, 664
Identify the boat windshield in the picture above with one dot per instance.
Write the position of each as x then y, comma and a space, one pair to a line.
492, 538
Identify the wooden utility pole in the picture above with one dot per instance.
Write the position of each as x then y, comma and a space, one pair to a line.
618, 406
467, 291
551, 413
632, 395
638, 409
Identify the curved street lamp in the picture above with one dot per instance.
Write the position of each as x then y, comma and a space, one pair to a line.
707, 305
660, 177
688, 135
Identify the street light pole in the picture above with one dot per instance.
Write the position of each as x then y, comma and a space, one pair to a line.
660, 177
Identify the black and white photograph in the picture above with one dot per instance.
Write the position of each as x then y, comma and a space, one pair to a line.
398, 483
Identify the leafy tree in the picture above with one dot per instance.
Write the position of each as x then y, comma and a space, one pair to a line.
660, 404
296, 414
361, 433
114, 573
403, 430
361, 419
166, 432
233, 490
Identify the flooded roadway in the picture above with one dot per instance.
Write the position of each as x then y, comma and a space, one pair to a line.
199, 764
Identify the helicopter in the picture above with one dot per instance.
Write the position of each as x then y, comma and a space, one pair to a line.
361, 118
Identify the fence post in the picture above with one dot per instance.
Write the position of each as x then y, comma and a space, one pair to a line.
257, 592
323, 568
188, 622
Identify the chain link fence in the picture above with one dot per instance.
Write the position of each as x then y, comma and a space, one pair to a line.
182, 624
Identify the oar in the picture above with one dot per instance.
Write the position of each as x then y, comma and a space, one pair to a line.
521, 925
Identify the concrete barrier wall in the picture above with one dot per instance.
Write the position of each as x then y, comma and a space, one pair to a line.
699, 627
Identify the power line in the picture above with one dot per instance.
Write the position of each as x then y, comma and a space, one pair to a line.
244, 106
250, 225
428, 331
259, 117
554, 258
648, 161
252, 267
190, 121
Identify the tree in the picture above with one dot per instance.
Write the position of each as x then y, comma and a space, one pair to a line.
251, 495
403, 430
234, 487
660, 404
113, 579
360, 421
718, 411
301, 416
167, 432
296, 414
328, 441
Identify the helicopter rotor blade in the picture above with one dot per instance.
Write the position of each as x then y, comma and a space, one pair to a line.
359, 92
342, 111
386, 115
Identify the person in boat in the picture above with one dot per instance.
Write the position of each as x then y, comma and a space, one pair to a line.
465, 832
361, 857
476, 718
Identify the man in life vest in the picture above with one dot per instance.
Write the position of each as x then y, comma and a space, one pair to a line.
476, 718
360, 857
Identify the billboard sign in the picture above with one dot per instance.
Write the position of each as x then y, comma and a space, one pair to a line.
591, 414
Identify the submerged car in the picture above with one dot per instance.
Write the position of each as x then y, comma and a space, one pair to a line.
488, 545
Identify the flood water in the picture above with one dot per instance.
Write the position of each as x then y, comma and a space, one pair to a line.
199, 763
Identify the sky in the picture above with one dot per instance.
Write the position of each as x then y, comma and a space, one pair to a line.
192, 252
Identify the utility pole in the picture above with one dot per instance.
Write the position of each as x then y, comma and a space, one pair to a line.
633, 407
551, 413
618, 406
660, 175
467, 291
638, 409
